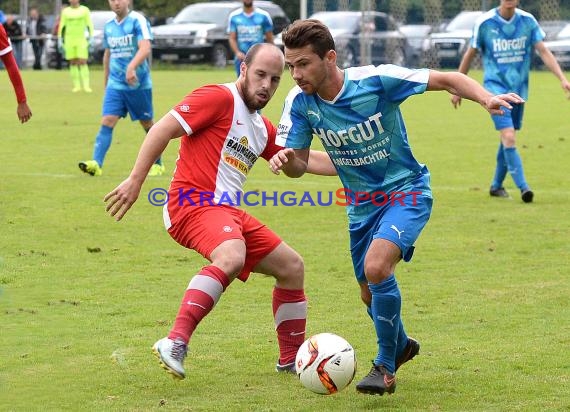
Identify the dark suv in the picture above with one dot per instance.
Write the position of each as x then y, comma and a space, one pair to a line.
448, 46
198, 32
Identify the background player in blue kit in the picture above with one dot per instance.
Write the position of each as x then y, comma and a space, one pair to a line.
506, 37
355, 113
248, 26
127, 79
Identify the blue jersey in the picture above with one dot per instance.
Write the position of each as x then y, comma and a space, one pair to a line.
507, 48
122, 40
249, 28
362, 130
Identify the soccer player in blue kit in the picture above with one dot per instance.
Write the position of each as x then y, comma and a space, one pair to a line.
127, 79
507, 37
355, 113
248, 26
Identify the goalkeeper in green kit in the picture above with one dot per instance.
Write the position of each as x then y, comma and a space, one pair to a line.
74, 33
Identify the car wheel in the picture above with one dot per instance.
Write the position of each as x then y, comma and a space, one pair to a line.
220, 55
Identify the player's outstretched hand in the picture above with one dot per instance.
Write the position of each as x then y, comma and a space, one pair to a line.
120, 199
495, 103
280, 159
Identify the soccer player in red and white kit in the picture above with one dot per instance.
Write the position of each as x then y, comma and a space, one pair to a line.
223, 135
7, 56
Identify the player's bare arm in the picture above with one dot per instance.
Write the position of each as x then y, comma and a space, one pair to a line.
234, 46
120, 199
464, 86
142, 54
464, 67
320, 164
106, 60
550, 61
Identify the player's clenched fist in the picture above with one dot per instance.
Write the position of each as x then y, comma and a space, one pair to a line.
280, 159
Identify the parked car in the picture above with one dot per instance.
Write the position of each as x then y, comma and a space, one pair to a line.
418, 43
99, 18
448, 46
552, 28
375, 33
198, 32
560, 47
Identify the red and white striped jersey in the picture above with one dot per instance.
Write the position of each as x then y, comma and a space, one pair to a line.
222, 142
5, 45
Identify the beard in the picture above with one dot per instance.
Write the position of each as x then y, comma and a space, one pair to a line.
252, 100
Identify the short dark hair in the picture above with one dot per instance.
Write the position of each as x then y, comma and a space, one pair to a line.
307, 32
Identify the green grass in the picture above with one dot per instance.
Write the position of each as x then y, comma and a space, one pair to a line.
83, 298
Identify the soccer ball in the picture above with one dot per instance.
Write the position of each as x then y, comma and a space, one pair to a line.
325, 363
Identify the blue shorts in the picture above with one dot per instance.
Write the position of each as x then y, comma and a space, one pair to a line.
511, 118
137, 102
398, 223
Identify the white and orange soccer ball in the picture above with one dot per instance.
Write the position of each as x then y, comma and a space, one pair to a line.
325, 363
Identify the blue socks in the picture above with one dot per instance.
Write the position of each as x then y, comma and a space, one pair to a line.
501, 170
386, 306
102, 144
508, 159
514, 164
402, 337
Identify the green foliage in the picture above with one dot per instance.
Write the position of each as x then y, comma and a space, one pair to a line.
83, 298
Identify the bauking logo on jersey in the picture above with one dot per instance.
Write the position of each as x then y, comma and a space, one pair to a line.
238, 154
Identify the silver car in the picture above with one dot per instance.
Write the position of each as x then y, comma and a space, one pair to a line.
198, 32
448, 46
560, 47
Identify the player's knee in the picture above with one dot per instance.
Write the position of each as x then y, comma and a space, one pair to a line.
109, 121
291, 273
231, 262
146, 124
508, 139
376, 272
294, 266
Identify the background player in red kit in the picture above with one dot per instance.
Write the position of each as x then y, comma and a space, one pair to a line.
222, 136
7, 56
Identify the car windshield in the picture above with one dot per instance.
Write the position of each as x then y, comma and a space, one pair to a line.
199, 13
99, 18
336, 21
463, 21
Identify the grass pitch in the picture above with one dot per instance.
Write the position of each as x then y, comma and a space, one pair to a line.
83, 298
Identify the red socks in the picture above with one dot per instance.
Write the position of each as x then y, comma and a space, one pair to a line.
202, 294
204, 291
290, 313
